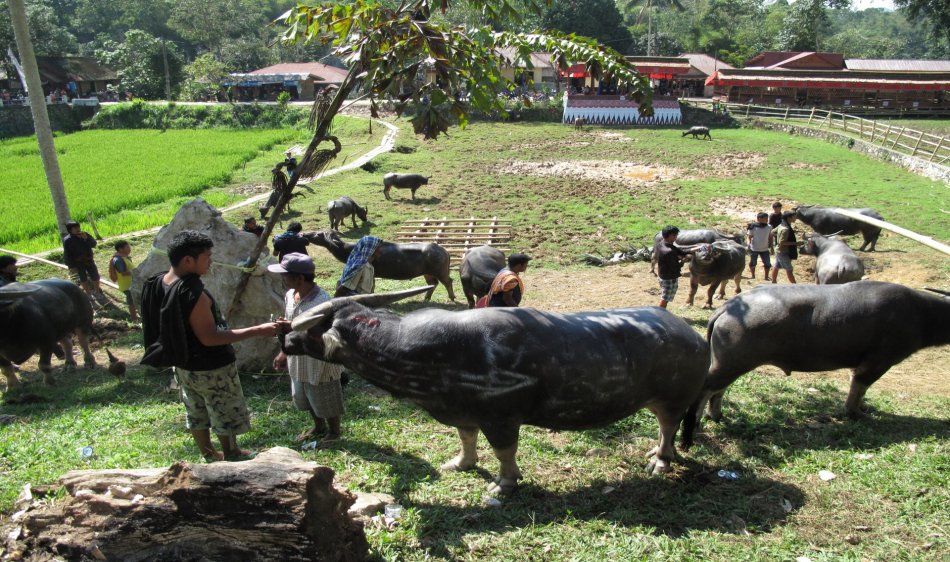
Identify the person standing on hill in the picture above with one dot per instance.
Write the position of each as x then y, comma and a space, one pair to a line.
78, 256
775, 219
290, 241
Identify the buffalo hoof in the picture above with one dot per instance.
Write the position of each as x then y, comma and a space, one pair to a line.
49, 379
503, 486
89, 363
856, 414
708, 306
658, 466
458, 465
69, 368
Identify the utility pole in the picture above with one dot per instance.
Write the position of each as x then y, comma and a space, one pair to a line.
44, 134
168, 87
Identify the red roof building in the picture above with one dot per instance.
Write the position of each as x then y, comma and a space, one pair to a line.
301, 79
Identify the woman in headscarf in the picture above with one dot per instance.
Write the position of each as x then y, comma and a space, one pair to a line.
359, 276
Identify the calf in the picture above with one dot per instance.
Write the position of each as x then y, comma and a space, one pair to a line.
479, 267
824, 220
866, 326
495, 369
339, 209
835, 263
42, 316
714, 265
404, 181
579, 123
698, 131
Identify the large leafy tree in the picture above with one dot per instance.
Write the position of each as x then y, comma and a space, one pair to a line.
139, 61
597, 19
49, 35
935, 12
444, 71
805, 24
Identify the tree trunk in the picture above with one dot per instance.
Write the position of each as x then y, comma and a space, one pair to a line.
44, 134
275, 507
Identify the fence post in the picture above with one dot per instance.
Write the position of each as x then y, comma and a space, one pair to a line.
920, 138
873, 130
898, 137
748, 105
936, 150
787, 109
886, 132
861, 127
812, 115
844, 122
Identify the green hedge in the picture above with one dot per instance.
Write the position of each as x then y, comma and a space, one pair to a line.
142, 115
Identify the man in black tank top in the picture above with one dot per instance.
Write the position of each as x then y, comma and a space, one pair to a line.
184, 318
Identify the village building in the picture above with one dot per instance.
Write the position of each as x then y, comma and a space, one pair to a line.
302, 80
827, 80
65, 79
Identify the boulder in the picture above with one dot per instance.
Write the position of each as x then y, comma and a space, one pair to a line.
265, 291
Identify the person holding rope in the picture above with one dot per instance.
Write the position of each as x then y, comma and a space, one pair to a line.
359, 276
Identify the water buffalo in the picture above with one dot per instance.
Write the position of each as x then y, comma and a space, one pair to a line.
339, 209
835, 263
867, 326
824, 220
698, 131
495, 369
693, 237
714, 265
478, 269
396, 261
42, 316
404, 181
579, 123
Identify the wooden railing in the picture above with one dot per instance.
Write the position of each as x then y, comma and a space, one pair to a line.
933, 148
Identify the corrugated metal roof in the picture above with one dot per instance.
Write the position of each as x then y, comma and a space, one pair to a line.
939, 81
898, 65
325, 73
538, 60
80, 69
703, 64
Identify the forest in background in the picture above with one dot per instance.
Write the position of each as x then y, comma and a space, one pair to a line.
204, 40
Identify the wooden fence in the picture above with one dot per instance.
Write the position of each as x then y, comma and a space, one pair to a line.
458, 235
932, 148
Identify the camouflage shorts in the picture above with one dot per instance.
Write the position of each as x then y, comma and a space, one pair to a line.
214, 399
668, 288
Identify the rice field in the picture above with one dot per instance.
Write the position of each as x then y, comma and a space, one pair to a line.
116, 175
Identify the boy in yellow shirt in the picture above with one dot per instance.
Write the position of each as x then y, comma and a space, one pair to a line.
120, 271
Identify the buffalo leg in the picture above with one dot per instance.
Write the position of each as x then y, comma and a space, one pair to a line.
693, 287
738, 280
447, 281
386, 192
712, 291
861, 379
504, 441
10, 373
353, 218
661, 458
413, 194
88, 359
467, 459
46, 366
430, 280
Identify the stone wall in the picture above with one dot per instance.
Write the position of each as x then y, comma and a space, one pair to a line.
264, 293
17, 120
910, 163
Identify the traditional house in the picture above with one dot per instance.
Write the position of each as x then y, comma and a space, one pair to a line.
302, 80
81, 77
701, 67
826, 80
541, 73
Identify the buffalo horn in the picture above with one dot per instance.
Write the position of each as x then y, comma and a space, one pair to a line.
938, 291
17, 290
318, 314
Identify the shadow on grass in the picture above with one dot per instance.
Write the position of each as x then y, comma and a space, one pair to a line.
695, 499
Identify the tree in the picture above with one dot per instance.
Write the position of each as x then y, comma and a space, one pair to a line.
139, 61
48, 35
44, 134
936, 12
805, 24
597, 19
401, 53
645, 9
204, 78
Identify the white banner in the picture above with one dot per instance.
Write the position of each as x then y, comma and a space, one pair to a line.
19, 69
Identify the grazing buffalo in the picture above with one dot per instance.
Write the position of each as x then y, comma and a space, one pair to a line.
579, 123
698, 131
495, 369
339, 209
835, 263
479, 267
42, 316
824, 220
714, 265
693, 237
404, 181
396, 261
866, 326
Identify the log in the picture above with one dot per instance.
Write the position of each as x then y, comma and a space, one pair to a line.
925, 240
274, 507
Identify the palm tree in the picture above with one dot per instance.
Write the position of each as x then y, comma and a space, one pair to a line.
646, 8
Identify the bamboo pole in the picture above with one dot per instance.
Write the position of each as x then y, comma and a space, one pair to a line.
54, 264
914, 152
925, 240
812, 115
898, 137
936, 150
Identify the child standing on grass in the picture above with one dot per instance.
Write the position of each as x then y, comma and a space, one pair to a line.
120, 271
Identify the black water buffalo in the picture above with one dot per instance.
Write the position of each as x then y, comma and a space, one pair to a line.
693, 237
339, 209
714, 265
824, 220
835, 263
495, 369
404, 181
478, 269
396, 261
698, 131
42, 316
867, 326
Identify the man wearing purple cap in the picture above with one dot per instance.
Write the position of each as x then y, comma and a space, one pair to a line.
314, 384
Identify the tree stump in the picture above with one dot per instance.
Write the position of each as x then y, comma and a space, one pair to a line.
274, 507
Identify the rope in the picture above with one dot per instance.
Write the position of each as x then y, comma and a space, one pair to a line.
161, 252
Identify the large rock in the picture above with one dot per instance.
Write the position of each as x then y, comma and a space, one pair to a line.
262, 297
275, 507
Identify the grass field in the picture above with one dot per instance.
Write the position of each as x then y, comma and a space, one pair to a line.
585, 496
136, 179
